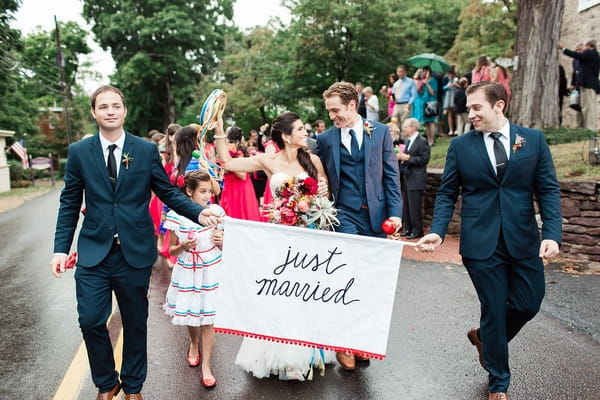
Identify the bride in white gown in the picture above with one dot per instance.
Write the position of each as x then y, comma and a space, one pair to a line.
263, 358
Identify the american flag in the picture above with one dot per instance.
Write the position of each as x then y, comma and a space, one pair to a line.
21, 151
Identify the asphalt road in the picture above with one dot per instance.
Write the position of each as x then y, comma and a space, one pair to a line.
556, 356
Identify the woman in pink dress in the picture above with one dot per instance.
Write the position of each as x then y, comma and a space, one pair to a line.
238, 198
501, 75
481, 72
387, 91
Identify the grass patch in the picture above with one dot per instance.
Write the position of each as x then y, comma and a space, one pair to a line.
569, 149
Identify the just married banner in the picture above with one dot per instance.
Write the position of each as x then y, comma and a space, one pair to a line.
307, 287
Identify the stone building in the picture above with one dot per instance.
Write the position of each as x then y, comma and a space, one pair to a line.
581, 22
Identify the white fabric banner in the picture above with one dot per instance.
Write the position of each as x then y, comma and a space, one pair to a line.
309, 287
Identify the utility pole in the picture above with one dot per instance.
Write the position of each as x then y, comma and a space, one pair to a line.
60, 62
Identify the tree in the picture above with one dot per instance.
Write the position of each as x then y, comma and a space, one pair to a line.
16, 113
42, 86
486, 28
535, 80
161, 49
353, 41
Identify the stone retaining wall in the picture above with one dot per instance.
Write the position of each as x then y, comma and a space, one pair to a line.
580, 202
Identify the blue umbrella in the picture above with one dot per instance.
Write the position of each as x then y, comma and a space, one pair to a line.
433, 61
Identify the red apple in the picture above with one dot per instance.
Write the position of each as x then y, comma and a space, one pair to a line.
388, 227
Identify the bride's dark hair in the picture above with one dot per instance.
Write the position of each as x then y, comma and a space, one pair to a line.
284, 124
185, 143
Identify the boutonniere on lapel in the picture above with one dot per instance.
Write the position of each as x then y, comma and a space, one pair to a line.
368, 127
519, 142
127, 160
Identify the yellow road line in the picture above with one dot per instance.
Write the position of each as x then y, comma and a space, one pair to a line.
72, 382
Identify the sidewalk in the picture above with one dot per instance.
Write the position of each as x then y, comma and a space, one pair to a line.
447, 252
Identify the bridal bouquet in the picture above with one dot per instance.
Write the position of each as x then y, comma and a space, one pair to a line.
296, 203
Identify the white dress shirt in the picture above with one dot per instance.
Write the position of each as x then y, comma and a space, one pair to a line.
118, 150
347, 138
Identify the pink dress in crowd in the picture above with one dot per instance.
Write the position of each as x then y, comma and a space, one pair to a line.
238, 198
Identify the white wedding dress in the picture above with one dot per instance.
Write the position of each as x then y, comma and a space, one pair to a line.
263, 358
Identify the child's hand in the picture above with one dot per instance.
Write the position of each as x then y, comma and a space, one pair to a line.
189, 244
217, 238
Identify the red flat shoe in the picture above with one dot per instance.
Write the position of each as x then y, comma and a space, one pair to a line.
209, 383
193, 361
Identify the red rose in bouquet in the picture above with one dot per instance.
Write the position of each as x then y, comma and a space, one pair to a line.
287, 190
310, 186
288, 216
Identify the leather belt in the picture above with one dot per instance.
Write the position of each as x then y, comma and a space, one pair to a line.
402, 102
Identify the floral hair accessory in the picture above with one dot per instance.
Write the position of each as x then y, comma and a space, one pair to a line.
127, 160
296, 203
368, 127
519, 142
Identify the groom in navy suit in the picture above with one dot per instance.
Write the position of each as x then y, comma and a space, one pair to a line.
362, 171
499, 168
115, 172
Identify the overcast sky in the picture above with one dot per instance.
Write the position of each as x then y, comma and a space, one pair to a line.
40, 13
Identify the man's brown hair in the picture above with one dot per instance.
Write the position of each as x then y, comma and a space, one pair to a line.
493, 92
106, 88
345, 90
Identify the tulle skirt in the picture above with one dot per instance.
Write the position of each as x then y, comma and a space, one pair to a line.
288, 361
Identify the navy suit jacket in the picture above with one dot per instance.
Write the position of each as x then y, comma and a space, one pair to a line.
490, 206
382, 181
124, 210
415, 169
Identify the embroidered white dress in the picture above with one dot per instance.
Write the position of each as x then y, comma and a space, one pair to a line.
263, 358
190, 298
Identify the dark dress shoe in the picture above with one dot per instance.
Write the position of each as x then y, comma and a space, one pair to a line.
133, 396
475, 341
414, 236
111, 393
497, 396
346, 360
405, 233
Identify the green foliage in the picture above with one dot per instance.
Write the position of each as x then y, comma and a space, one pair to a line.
16, 171
267, 72
161, 49
487, 27
16, 112
567, 135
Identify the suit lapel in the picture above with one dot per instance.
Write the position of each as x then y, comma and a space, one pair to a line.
367, 146
97, 156
336, 141
513, 137
128, 149
477, 138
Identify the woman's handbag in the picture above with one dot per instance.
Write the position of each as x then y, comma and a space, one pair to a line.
432, 108
574, 100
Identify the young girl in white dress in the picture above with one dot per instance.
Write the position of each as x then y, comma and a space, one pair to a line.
263, 358
190, 298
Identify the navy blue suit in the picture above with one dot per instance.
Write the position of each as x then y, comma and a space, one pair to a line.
379, 182
500, 240
104, 266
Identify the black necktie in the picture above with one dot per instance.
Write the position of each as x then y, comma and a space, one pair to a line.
407, 146
500, 154
111, 165
353, 145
